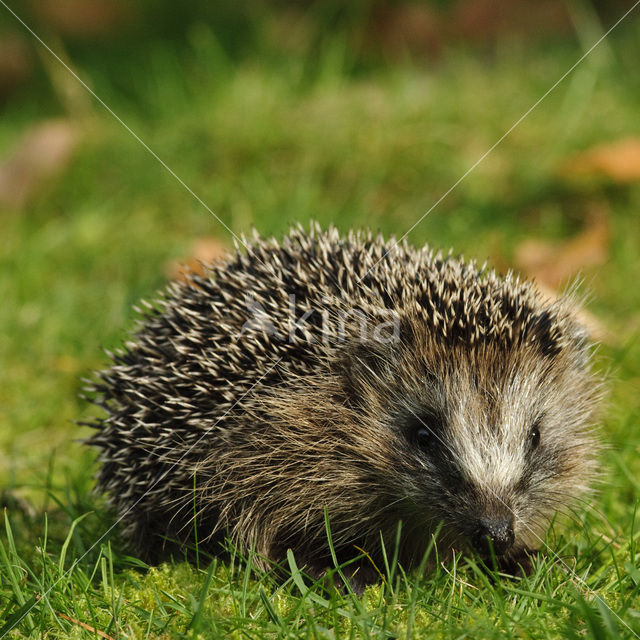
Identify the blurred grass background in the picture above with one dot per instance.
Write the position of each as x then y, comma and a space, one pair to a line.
357, 114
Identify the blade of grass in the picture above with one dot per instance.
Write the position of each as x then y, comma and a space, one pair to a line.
65, 544
197, 616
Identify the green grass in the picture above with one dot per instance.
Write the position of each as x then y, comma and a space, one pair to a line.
267, 141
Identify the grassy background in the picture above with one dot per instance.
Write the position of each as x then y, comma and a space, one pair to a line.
269, 136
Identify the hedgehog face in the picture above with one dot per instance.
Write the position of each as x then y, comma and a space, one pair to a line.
493, 442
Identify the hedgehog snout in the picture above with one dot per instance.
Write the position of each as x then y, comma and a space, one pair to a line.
493, 531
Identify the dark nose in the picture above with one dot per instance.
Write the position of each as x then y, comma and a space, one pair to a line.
493, 532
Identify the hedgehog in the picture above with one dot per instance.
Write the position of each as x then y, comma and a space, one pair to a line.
350, 385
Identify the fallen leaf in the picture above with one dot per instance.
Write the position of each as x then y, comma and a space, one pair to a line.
553, 264
398, 28
204, 252
595, 328
618, 161
43, 152
16, 63
486, 21
80, 18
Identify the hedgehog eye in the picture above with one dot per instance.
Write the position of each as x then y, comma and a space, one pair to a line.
425, 438
422, 431
534, 435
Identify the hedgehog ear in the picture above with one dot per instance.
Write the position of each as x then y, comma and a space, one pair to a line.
583, 344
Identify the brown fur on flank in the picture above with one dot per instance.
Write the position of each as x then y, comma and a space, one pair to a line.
419, 389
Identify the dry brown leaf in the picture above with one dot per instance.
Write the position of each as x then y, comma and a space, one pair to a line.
596, 329
485, 21
398, 28
204, 251
81, 18
553, 265
16, 63
424, 28
618, 161
43, 152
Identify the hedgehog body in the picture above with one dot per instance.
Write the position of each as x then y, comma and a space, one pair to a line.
376, 382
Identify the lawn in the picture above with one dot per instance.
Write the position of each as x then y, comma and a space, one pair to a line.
267, 139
